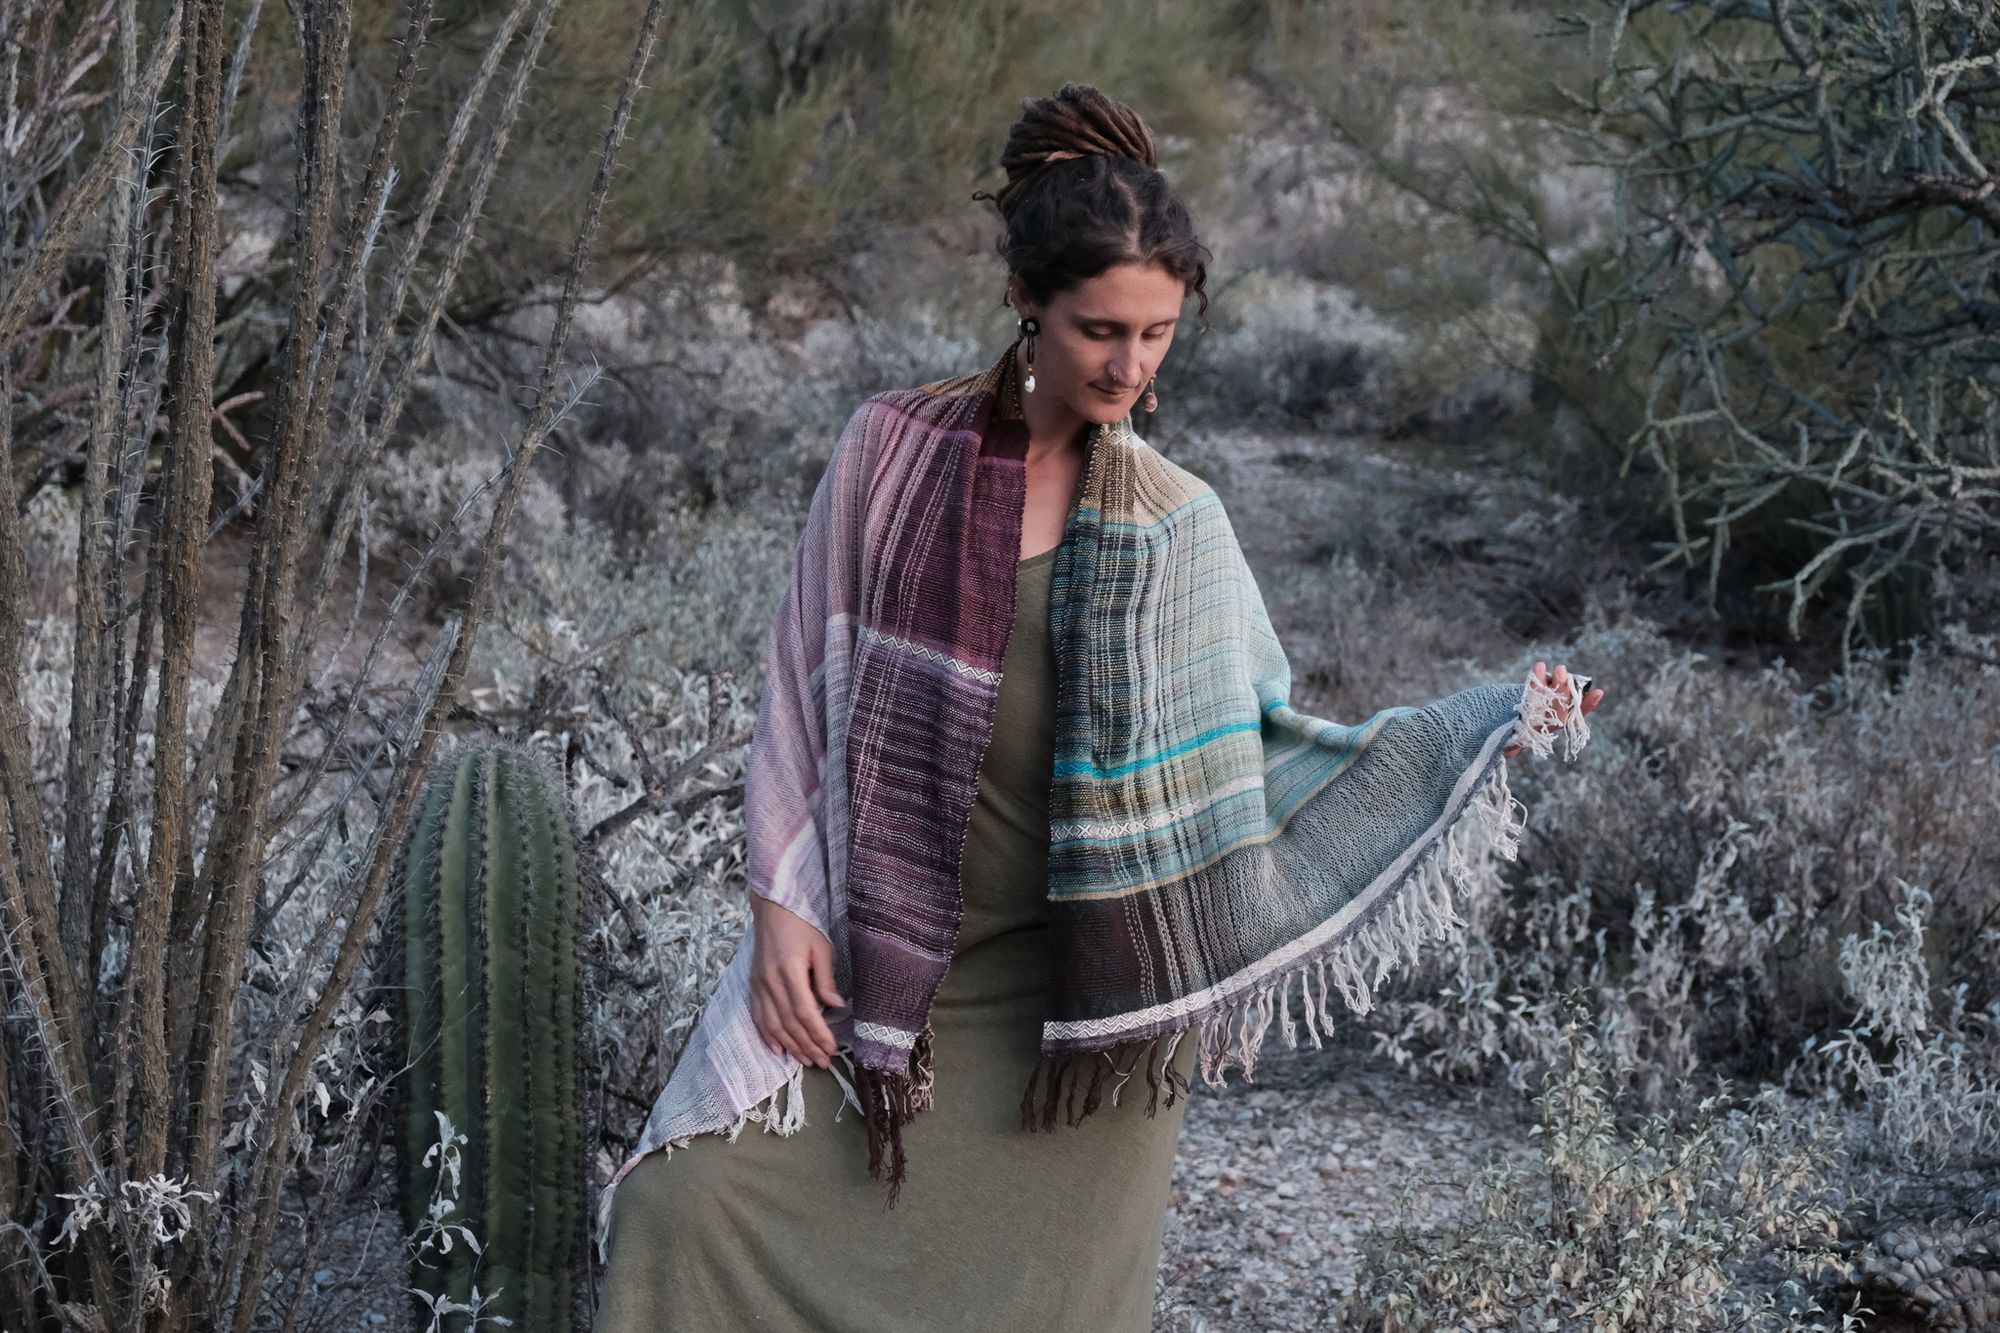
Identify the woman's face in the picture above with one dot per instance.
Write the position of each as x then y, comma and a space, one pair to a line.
1101, 341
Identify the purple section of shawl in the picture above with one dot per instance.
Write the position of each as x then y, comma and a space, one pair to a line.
921, 727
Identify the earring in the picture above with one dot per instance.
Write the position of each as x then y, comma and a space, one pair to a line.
1029, 328
1152, 402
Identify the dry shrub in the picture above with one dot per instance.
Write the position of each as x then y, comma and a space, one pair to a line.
1695, 1217
1699, 871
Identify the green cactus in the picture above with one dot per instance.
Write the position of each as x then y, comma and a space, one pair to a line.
487, 986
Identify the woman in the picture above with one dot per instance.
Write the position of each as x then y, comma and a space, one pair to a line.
1077, 822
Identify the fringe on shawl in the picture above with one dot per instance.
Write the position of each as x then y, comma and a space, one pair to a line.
783, 1113
890, 1102
1417, 908
1156, 1051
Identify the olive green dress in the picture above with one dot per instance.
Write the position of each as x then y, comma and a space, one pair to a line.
996, 1227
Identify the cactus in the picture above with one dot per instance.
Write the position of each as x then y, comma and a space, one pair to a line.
487, 986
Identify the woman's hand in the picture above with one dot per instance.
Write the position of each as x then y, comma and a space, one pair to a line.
791, 977
1559, 683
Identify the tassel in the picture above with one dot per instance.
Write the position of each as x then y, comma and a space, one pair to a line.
892, 1101
1546, 716
924, 1079
1124, 1076
1066, 1068
1093, 1098
1177, 1083
887, 1098
1118, 1062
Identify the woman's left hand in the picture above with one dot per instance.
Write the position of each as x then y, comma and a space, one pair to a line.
1559, 682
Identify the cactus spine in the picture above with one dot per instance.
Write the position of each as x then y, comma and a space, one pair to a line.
485, 969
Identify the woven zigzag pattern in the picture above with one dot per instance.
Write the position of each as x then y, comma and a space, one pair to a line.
1212, 848
1105, 830
925, 653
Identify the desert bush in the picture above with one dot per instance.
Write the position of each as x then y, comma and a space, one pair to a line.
1710, 1214
748, 414
786, 139
1755, 322
1930, 1086
698, 599
1804, 399
1284, 352
412, 515
1702, 899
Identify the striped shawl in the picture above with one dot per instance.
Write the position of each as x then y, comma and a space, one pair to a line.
1211, 849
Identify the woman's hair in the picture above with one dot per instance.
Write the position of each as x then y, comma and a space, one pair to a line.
1084, 192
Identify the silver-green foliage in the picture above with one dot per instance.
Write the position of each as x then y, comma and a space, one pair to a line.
1705, 876
1696, 1217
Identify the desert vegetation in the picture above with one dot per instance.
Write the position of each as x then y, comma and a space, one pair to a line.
387, 386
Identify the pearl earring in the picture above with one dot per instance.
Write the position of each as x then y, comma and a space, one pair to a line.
1029, 328
1152, 402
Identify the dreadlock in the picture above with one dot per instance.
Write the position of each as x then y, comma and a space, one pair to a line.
1084, 192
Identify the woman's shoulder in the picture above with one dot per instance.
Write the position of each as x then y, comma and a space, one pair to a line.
1168, 485
1178, 478
942, 404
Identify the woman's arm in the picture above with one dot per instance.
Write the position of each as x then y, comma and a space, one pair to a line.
792, 971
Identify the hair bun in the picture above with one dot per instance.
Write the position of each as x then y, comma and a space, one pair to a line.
1079, 121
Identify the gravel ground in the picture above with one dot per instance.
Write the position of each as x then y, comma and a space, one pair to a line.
1277, 1181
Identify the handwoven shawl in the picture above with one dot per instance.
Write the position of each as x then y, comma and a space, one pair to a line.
1211, 847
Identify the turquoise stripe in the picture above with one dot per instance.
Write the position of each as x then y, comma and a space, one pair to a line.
1204, 498
1356, 744
1263, 816
1073, 767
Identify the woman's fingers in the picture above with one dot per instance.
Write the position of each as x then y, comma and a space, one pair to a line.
791, 978
767, 1026
806, 1016
822, 974
790, 1035
1559, 682
805, 1045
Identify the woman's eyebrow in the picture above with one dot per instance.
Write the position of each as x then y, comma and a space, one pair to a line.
1116, 324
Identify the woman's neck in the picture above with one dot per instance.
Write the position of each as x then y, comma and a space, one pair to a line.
1053, 426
